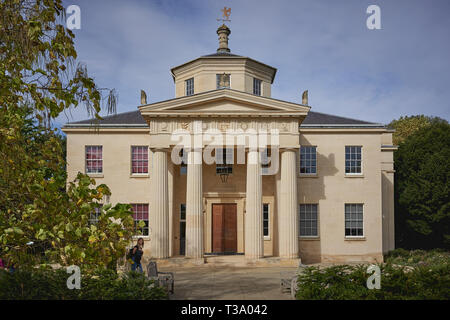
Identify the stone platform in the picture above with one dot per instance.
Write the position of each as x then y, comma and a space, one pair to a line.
227, 261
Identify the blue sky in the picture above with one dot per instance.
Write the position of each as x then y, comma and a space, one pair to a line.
320, 45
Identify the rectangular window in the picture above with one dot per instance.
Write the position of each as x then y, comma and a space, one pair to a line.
353, 219
257, 86
223, 80
265, 160
183, 165
182, 229
266, 219
139, 159
140, 213
308, 220
190, 87
308, 160
93, 217
353, 159
224, 160
94, 160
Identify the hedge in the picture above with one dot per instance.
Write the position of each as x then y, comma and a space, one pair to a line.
347, 282
48, 284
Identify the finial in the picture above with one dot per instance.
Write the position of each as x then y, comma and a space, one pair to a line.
305, 98
143, 97
223, 31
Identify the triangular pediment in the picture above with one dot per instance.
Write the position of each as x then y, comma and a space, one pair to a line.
224, 102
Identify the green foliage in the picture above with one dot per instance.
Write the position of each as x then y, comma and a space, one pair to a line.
416, 258
36, 207
424, 281
406, 126
103, 284
37, 57
422, 191
42, 218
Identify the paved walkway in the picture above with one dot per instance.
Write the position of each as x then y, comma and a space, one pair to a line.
233, 283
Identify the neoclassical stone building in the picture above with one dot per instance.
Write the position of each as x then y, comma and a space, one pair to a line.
284, 182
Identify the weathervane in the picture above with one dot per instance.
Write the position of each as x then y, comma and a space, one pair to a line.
226, 14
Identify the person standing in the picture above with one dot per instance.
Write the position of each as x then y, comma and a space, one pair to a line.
138, 252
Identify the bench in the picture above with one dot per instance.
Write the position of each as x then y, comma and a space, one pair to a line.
164, 279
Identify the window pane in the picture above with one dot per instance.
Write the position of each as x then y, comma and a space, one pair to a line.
140, 213
189, 86
139, 159
223, 81
256, 86
308, 220
308, 159
266, 219
94, 161
354, 219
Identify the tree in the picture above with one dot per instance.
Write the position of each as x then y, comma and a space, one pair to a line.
422, 190
37, 62
41, 221
406, 126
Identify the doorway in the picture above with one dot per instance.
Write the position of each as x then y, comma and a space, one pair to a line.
224, 228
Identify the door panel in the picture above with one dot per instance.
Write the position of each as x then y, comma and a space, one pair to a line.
217, 228
224, 228
230, 228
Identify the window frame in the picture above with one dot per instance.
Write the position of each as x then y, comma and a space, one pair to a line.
316, 205
217, 82
227, 167
350, 160
259, 91
350, 220
187, 87
93, 216
131, 161
182, 206
183, 164
86, 160
265, 155
300, 161
135, 236
266, 237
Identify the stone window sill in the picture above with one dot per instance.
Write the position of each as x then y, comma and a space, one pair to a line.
146, 238
95, 175
139, 175
303, 175
354, 176
306, 238
266, 238
355, 238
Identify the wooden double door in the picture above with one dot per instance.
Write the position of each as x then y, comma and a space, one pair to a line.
224, 228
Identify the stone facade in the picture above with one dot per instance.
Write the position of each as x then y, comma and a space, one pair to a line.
265, 221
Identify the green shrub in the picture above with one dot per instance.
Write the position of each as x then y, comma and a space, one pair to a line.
48, 284
397, 282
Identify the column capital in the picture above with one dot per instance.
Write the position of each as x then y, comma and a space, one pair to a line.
160, 149
283, 149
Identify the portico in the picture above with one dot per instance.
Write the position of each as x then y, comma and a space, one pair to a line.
200, 126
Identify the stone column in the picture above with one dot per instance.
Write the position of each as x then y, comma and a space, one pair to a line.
194, 205
288, 215
254, 239
159, 207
